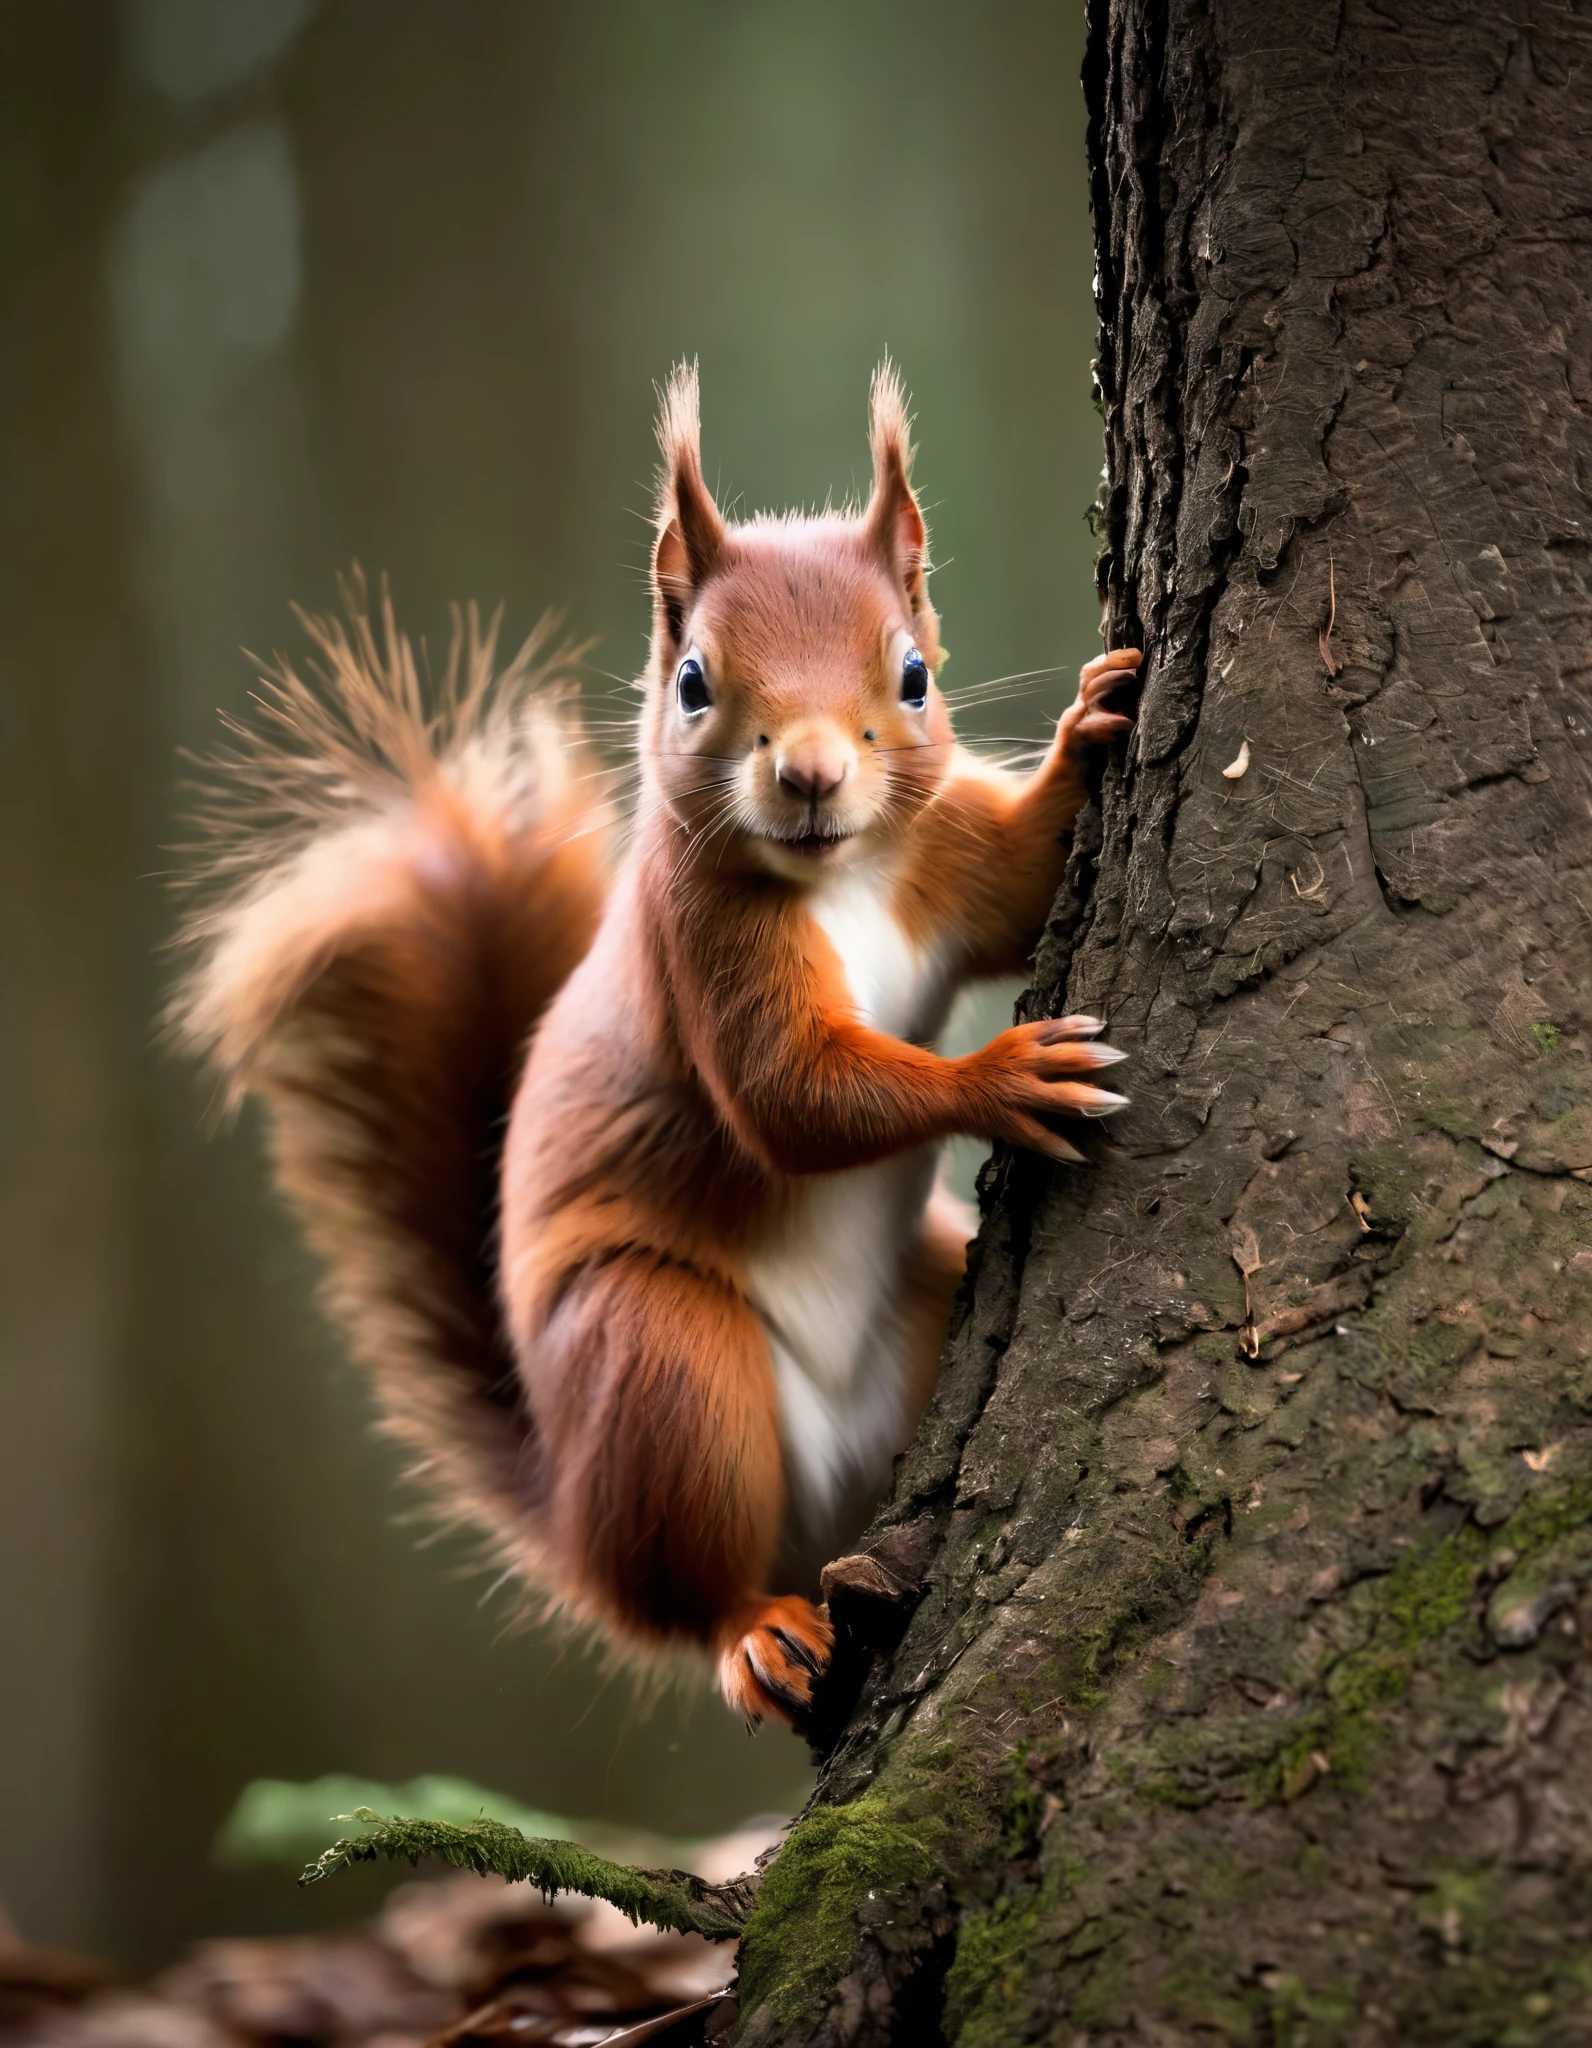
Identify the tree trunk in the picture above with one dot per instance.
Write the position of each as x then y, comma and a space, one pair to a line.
1245, 1700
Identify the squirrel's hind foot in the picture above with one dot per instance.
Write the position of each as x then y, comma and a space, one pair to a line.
772, 1658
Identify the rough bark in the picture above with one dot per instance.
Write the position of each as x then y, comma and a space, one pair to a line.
1245, 1698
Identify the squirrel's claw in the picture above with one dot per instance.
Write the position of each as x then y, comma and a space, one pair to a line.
771, 1663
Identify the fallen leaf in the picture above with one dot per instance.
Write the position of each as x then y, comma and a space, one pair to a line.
1246, 1249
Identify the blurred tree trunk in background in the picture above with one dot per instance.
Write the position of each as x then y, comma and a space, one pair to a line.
1246, 1699
70, 851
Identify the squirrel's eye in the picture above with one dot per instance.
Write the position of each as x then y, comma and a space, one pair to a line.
692, 686
914, 680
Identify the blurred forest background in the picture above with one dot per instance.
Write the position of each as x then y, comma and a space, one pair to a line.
295, 283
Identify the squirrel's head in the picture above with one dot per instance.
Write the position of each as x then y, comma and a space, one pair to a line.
792, 711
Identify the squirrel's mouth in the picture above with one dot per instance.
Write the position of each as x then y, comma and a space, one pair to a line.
810, 845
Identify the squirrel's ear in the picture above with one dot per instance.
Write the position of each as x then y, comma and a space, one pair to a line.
690, 531
893, 522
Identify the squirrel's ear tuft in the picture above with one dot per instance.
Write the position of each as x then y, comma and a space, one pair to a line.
690, 531
893, 522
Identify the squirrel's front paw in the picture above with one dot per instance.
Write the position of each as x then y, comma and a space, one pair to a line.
1035, 1069
1084, 721
773, 1658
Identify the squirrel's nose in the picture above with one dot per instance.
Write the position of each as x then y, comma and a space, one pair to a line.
812, 769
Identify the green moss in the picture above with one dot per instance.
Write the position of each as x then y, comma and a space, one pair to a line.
1195, 1994
1547, 1514
1298, 2014
1454, 1115
1387, 1176
1020, 1813
1497, 1989
1037, 1686
945, 1784
1315, 1865
1409, 1610
849, 1870
1459, 1904
1435, 1349
986, 1989
1246, 1394
1426, 1595
803, 1931
1102, 1999
1412, 1606
988, 1979
1545, 1037
1187, 1763
671, 1899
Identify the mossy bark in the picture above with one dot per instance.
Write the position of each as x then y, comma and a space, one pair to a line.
1245, 1699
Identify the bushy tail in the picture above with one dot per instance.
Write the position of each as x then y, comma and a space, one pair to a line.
391, 893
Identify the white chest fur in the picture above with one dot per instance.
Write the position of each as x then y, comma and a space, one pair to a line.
896, 985
826, 1287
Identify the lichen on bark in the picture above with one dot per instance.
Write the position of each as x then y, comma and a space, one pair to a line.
1246, 1688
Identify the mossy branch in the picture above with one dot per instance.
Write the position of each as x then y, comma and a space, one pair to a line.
671, 1899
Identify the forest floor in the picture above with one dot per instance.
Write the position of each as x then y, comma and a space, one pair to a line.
446, 1963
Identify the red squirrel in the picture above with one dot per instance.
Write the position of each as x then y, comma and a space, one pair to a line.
624, 1170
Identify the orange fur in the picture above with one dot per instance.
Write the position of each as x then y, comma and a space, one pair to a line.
394, 898
720, 1256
